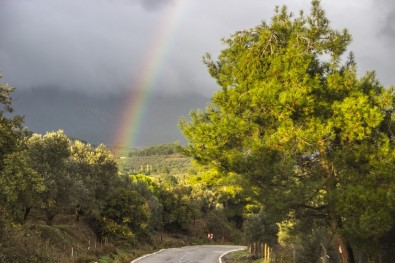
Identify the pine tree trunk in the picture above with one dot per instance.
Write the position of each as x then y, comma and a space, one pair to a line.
344, 250
49, 217
26, 214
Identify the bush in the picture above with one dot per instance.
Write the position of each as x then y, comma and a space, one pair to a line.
95, 223
118, 232
23, 246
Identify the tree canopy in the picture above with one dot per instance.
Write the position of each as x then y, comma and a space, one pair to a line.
10, 125
293, 117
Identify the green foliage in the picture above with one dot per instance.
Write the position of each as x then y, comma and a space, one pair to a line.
306, 242
231, 194
126, 207
10, 126
162, 149
118, 231
259, 228
49, 155
314, 138
103, 176
178, 207
222, 228
21, 184
149, 189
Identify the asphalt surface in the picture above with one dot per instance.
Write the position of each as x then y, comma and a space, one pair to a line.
192, 254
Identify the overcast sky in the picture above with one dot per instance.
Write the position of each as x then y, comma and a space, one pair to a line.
74, 61
99, 47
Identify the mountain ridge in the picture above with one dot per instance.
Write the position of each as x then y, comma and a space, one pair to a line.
95, 119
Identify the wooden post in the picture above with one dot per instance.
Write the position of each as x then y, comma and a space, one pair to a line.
265, 253
263, 250
294, 254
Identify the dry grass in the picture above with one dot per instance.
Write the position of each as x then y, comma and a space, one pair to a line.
240, 257
70, 241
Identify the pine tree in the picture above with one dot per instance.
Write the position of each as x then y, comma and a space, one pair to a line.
302, 126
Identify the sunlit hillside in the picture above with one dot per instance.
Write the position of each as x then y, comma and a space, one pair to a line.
156, 160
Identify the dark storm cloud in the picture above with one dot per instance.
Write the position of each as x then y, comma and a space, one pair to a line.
94, 52
390, 23
101, 46
155, 4
388, 29
94, 46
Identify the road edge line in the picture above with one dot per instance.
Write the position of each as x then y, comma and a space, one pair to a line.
227, 252
137, 259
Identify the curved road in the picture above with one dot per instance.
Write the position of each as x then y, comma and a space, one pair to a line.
192, 254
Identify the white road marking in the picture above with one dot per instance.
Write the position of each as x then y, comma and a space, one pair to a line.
220, 257
188, 253
137, 259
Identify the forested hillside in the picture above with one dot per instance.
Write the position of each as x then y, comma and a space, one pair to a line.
156, 160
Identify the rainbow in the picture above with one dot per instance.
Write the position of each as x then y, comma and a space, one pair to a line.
143, 88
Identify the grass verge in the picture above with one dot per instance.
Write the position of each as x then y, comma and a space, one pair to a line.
240, 256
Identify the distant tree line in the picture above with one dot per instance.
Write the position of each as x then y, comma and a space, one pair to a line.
162, 149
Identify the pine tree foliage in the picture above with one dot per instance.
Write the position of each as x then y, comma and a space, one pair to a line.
293, 116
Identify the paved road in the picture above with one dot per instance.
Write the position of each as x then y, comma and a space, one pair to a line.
192, 254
